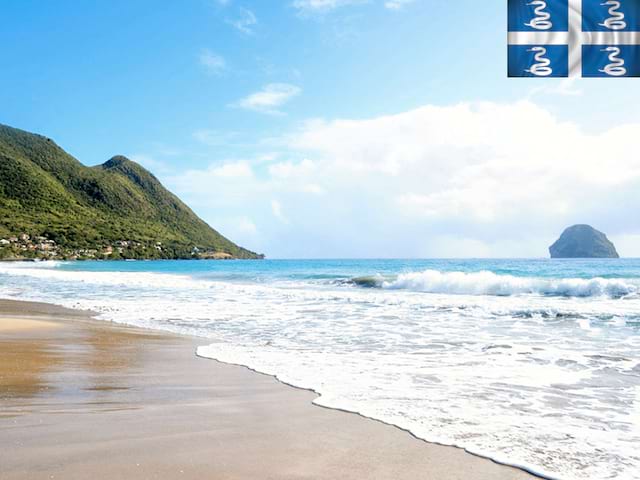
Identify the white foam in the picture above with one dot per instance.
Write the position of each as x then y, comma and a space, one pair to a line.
49, 271
543, 382
489, 283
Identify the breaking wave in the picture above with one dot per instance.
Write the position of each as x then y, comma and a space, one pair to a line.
489, 283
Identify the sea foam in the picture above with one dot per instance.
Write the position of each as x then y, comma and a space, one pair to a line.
529, 370
489, 283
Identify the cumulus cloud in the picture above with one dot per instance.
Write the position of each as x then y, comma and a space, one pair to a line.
270, 98
213, 62
481, 179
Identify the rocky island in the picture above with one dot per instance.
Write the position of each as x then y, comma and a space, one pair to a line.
583, 241
54, 207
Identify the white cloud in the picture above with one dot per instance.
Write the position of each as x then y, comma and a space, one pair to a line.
324, 6
245, 22
311, 6
276, 208
202, 183
482, 179
627, 244
295, 176
213, 62
397, 4
290, 169
235, 169
242, 229
218, 187
245, 225
270, 98
313, 189
480, 166
564, 87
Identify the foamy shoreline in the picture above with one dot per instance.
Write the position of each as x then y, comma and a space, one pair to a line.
226, 410
431, 364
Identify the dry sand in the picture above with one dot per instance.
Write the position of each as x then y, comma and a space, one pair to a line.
8, 324
89, 400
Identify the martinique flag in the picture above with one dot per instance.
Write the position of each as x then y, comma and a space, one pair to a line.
561, 38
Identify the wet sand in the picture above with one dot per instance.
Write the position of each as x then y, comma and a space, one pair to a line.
85, 399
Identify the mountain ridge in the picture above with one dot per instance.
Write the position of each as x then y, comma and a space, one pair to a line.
91, 212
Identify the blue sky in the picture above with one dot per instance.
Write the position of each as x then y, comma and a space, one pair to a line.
331, 128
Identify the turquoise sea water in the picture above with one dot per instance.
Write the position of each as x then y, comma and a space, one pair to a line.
345, 269
534, 363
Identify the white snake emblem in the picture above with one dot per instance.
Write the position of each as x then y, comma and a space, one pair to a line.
541, 68
542, 19
615, 68
616, 19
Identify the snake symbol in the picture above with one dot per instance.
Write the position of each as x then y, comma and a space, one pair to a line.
615, 68
542, 19
616, 19
541, 68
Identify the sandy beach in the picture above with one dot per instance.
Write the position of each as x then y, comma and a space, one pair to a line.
81, 398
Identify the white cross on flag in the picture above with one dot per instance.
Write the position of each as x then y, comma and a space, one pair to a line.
561, 38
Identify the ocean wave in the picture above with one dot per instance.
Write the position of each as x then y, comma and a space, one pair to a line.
27, 265
432, 364
50, 271
481, 283
489, 283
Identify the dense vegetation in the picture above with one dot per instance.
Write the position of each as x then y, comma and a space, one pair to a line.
45, 192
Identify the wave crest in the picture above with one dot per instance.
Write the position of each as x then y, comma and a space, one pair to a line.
489, 283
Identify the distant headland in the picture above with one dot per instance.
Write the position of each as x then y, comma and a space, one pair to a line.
583, 241
53, 207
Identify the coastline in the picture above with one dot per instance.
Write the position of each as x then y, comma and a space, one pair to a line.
83, 397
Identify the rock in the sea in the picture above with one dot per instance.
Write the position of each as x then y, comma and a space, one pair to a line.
583, 241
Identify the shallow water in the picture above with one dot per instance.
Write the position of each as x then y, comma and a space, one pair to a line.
533, 363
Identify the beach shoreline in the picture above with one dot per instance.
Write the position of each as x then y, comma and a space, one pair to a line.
108, 400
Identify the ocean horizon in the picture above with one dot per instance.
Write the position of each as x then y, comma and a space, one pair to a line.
530, 362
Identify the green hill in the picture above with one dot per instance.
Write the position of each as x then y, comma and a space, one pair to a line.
114, 210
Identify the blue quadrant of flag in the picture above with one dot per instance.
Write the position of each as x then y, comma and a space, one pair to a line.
529, 16
561, 38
